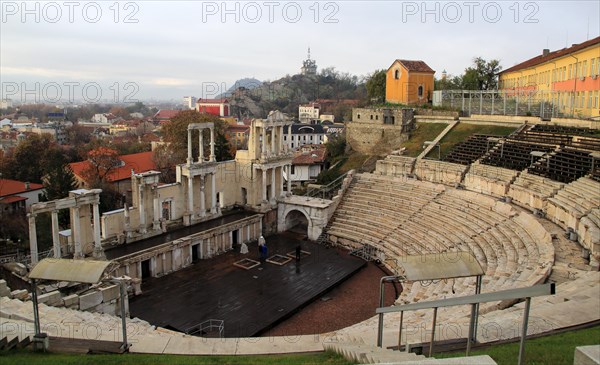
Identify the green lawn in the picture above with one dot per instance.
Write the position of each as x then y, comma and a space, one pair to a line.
555, 350
27, 357
423, 132
462, 131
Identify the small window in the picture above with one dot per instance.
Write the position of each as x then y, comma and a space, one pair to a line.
371, 116
293, 169
357, 116
377, 117
397, 74
420, 91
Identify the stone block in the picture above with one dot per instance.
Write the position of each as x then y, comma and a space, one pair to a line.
53, 298
110, 293
587, 355
20, 294
4, 289
90, 300
71, 301
108, 308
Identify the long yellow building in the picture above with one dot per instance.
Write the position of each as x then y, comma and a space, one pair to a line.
568, 78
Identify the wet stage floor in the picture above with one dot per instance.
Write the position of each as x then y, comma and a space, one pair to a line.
248, 301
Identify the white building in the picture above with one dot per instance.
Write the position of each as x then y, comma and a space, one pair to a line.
190, 102
308, 163
303, 134
309, 113
6, 103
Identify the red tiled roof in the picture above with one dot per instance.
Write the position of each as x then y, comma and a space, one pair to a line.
552, 55
12, 199
13, 187
212, 101
311, 157
139, 162
166, 114
238, 128
414, 66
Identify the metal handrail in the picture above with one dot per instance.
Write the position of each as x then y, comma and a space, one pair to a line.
327, 188
473, 300
208, 324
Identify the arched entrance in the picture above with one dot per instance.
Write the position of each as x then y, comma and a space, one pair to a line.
297, 222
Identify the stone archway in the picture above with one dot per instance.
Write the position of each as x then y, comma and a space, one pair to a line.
297, 221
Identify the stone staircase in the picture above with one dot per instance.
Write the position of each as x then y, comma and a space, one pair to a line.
355, 350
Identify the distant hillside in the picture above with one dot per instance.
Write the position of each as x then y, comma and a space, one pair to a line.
288, 92
247, 83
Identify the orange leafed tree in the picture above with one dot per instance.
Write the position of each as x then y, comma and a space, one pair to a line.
103, 161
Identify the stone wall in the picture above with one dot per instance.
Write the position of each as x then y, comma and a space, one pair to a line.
378, 131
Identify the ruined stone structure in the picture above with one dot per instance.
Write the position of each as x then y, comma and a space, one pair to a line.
378, 131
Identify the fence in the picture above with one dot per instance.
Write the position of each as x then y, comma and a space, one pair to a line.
543, 104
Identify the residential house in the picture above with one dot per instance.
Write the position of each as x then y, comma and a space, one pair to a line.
17, 196
120, 176
308, 163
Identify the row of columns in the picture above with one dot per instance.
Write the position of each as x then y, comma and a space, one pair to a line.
213, 194
190, 158
75, 234
274, 148
282, 193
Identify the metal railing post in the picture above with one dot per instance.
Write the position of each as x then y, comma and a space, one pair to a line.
400, 330
524, 330
471, 327
433, 331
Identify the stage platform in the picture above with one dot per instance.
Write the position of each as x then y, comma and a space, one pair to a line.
129, 248
248, 301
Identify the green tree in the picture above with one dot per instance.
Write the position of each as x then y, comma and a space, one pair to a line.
376, 86
483, 75
30, 159
222, 148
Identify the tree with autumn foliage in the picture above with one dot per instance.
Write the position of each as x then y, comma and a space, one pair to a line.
103, 161
175, 135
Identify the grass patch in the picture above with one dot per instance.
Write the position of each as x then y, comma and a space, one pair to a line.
423, 132
354, 161
462, 131
27, 357
556, 349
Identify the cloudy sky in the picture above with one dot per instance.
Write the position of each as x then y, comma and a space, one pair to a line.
130, 50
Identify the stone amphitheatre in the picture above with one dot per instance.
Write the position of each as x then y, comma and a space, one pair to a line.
527, 219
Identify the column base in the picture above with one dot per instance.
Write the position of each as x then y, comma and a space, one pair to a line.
156, 225
98, 253
187, 219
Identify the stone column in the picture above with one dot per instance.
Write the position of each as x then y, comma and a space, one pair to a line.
202, 197
289, 136
273, 196
33, 249
201, 146
189, 137
263, 143
156, 209
289, 180
264, 185
273, 141
98, 252
127, 220
76, 234
55, 235
281, 192
190, 202
212, 145
280, 147
213, 193
142, 209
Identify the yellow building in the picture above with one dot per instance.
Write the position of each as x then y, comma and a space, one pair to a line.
409, 82
567, 78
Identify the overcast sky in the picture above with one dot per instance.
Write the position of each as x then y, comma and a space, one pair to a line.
168, 49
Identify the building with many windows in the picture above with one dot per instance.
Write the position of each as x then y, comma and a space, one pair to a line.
309, 113
303, 134
567, 78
